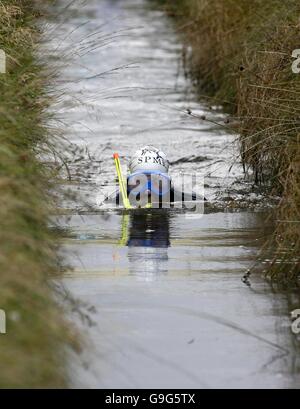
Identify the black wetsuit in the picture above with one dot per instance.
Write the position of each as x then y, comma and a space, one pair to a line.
173, 196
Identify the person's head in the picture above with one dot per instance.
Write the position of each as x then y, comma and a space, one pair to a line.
150, 159
149, 171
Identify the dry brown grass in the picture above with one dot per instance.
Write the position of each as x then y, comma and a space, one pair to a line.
32, 352
241, 55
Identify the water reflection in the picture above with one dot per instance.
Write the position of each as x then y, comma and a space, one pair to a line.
200, 306
149, 229
148, 242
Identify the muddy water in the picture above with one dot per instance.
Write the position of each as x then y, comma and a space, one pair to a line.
161, 301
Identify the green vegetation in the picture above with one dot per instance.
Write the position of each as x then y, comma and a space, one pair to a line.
241, 56
31, 353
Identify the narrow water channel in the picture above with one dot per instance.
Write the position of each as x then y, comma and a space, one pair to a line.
162, 288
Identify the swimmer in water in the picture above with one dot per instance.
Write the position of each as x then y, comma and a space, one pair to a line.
149, 182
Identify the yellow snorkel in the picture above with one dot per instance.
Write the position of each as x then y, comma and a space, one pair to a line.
122, 183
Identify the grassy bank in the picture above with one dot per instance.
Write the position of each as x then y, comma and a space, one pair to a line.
31, 353
239, 53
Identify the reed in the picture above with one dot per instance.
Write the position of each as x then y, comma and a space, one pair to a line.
32, 352
240, 53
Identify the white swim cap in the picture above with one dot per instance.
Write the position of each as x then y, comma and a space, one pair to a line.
149, 158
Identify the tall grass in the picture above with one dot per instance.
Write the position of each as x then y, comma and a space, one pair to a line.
239, 52
31, 352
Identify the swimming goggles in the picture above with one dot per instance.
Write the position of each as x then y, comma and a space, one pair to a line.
153, 181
